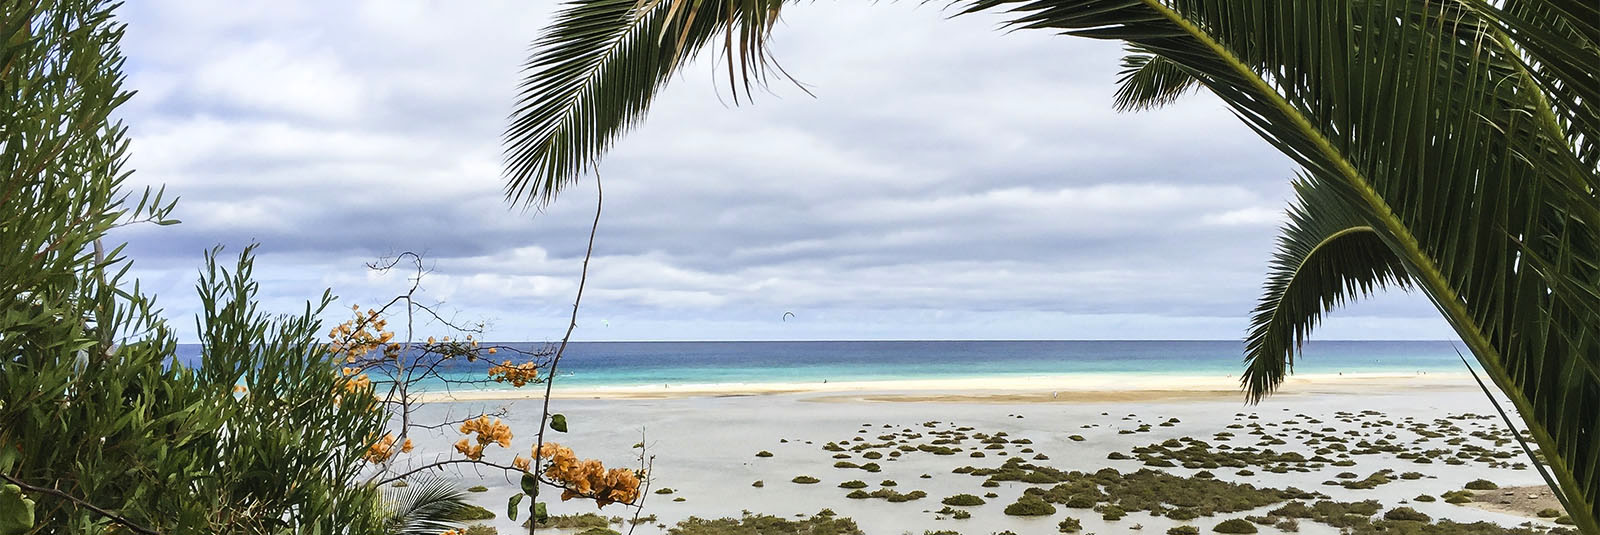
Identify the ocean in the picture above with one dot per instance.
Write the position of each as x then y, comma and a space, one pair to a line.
591, 364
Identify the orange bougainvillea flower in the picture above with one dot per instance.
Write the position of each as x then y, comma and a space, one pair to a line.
488, 431
384, 448
588, 478
520, 463
517, 374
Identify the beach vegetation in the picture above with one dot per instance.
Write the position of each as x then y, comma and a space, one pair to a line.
1030, 505
1406, 514
1183, 530
962, 500
805, 480
853, 484
758, 484
763, 453
1069, 525
749, 523
480, 529
1481, 484
1549, 513
1235, 525
88, 360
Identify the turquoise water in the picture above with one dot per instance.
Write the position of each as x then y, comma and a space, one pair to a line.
588, 364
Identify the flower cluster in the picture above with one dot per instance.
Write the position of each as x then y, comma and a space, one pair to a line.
516, 374
361, 335
384, 448
489, 432
358, 382
588, 477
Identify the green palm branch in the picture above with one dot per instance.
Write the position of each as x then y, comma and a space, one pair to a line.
426, 506
1447, 146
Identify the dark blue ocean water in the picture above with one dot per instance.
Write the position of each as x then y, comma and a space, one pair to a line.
648, 363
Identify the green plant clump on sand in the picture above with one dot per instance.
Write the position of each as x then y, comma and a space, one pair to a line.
1235, 525
1069, 525
1406, 514
579, 521
819, 524
1481, 484
1029, 505
1183, 530
963, 500
470, 512
853, 484
805, 480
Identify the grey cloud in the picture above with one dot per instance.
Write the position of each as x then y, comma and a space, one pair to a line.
948, 180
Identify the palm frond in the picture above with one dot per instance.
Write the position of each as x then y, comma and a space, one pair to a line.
1149, 81
1326, 257
595, 71
1431, 129
426, 506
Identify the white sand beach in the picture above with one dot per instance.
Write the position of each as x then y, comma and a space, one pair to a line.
705, 440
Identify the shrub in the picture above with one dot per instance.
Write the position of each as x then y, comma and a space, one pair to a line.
470, 512
963, 500
1235, 525
1406, 514
1183, 530
758, 484
1481, 484
853, 484
805, 480
1549, 513
763, 453
1069, 525
1030, 505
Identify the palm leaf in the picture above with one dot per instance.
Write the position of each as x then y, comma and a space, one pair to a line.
425, 506
1149, 81
599, 66
1326, 257
1428, 127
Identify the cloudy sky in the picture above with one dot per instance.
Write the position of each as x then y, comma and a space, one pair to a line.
946, 182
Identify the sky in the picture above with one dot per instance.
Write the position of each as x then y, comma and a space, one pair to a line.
946, 181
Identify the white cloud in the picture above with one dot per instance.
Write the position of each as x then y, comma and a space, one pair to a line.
949, 181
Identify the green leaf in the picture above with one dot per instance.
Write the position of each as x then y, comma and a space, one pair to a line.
530, 484
540, 513
558, 422
511, 505
16, 511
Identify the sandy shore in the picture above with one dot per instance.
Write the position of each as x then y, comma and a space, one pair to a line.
710, 446
1026, 389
